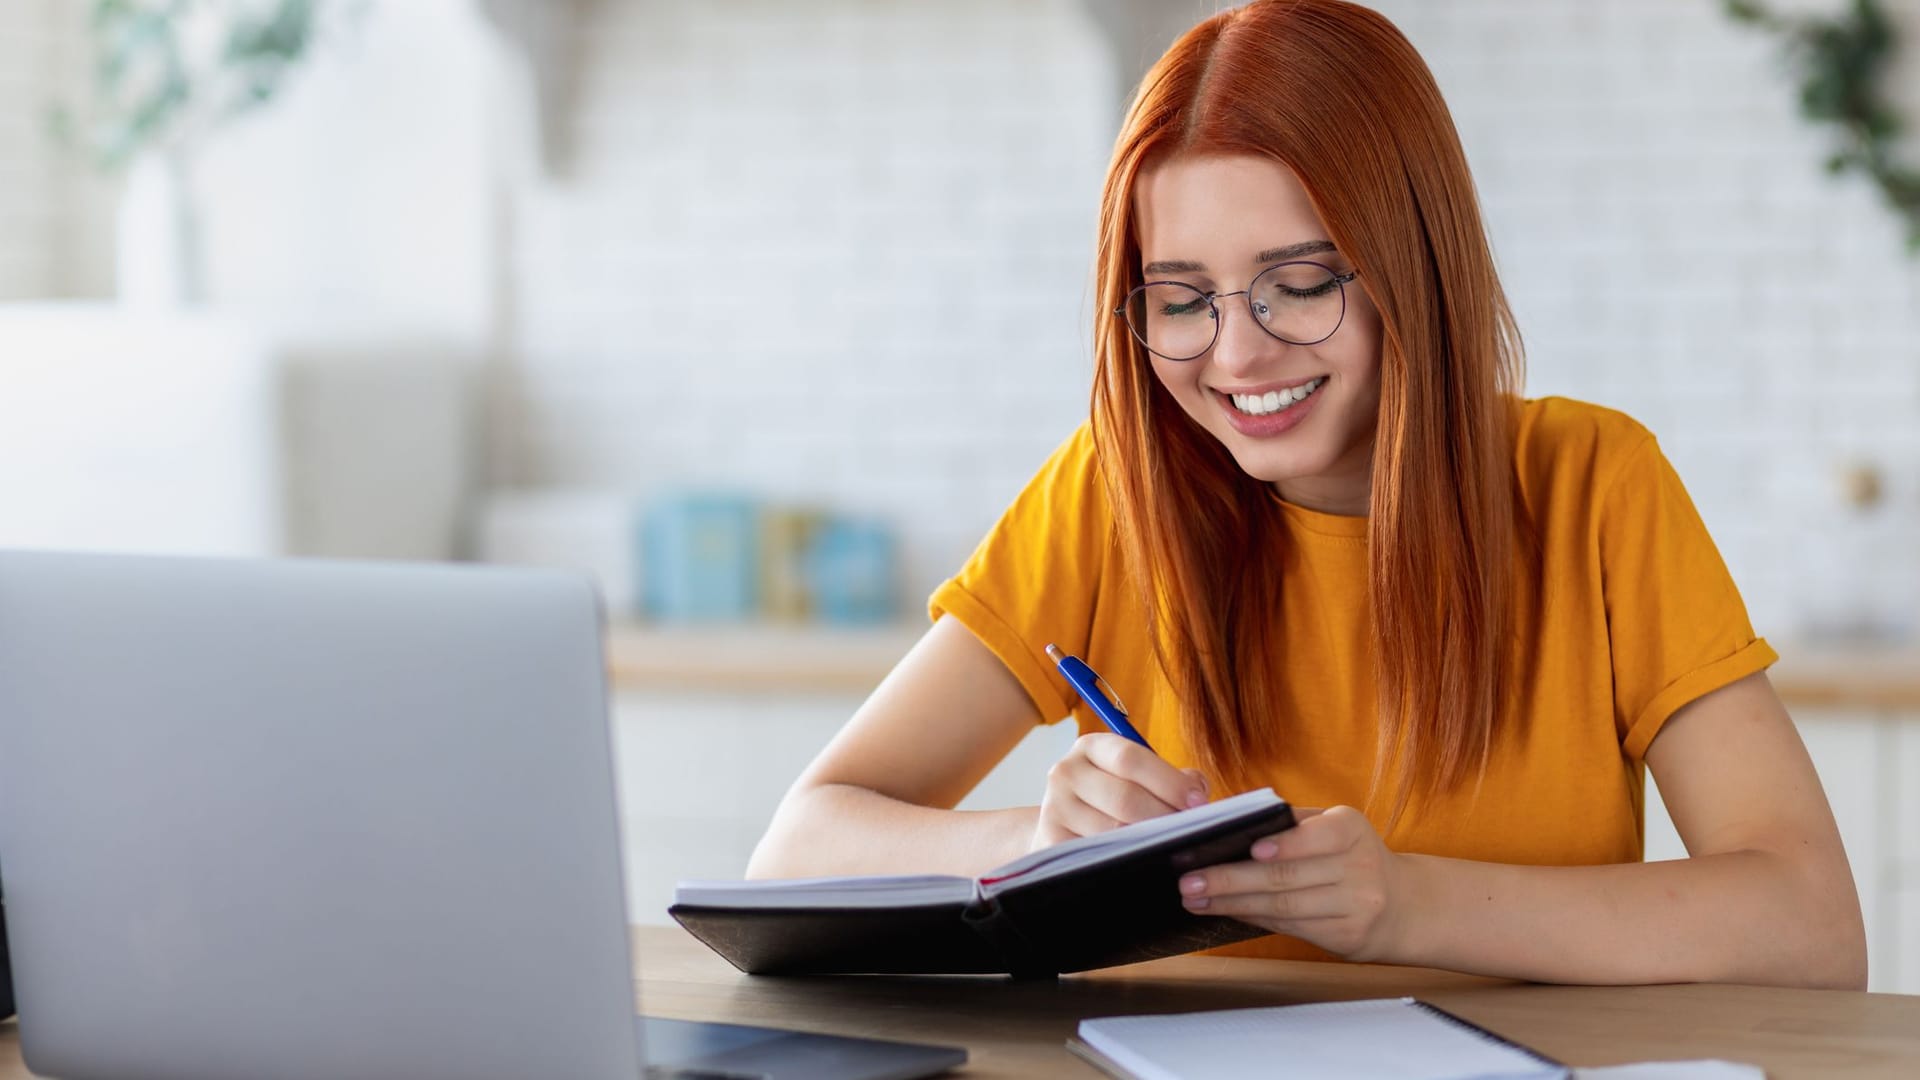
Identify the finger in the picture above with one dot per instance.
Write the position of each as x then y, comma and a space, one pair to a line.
1081, 773
1240, 878
1200, 781
1319, 902
1324, 832
1117, 797
1135, 763
1076, 817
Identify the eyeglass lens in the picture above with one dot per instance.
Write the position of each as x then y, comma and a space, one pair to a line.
1300, 302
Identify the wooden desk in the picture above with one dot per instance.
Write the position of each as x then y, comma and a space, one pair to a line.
1019, 1029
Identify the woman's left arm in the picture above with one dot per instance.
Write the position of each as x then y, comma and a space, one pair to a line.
1766, 895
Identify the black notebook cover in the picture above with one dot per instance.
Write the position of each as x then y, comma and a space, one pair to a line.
1120, 908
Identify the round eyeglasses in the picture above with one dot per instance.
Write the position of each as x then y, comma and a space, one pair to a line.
1301, 303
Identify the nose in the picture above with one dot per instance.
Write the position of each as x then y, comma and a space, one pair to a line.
1242, 346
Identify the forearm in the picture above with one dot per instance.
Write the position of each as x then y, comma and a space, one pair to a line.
1745, 916
839, 829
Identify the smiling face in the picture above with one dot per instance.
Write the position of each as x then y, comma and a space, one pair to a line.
1298, 416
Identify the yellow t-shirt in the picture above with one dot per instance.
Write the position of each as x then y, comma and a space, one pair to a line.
1633, 615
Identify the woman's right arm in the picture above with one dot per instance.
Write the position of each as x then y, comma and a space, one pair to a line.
879, 799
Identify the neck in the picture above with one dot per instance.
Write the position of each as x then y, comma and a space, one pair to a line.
1347, 493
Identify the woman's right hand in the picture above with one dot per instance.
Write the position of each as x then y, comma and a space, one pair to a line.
1107, 781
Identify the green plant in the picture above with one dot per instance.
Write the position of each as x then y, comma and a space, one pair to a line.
1840, 60
166, 72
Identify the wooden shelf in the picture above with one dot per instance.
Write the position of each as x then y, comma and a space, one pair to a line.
1866, 675
773, 658
757, 657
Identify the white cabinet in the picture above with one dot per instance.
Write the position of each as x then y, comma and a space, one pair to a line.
1901, 773
1902, 954
1900, 779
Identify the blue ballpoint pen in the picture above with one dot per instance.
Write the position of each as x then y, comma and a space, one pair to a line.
1096, 693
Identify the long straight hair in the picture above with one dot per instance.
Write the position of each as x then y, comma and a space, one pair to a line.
1336, 93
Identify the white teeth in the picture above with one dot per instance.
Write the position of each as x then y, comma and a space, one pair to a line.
1275, 400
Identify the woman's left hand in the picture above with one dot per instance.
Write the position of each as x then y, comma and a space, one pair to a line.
1330, 880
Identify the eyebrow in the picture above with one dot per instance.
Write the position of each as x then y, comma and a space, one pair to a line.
1279, 254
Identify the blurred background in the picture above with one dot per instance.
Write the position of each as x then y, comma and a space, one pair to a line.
761, 312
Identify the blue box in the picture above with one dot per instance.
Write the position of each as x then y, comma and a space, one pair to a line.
852, 572
699, 558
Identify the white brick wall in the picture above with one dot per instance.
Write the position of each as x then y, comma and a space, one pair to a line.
55, 215
1674, 249
752, 182
833, 250
26, 163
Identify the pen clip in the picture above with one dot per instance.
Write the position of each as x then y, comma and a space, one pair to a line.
1106, 690
1085, 678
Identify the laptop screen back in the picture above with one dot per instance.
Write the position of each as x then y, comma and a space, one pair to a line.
309, 820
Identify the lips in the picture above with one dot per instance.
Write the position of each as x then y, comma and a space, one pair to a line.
1266, 402
1285, 415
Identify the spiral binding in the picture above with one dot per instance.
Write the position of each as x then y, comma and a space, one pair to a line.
1475, 1029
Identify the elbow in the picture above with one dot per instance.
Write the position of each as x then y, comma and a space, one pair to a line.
1808, 934
1835, 956
780, 852
1842, 965
1837, 933
1856, 979
764, 862
771, 854
1848, 969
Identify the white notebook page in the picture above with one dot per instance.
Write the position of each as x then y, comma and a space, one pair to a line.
1064, 858
902, 891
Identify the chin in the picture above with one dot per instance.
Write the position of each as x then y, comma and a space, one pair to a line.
1273, 466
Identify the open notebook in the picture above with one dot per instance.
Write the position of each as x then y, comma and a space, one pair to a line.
1087, 903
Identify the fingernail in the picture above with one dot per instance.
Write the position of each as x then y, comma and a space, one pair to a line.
1196, 902
1193, 884
1265, 849
1196, 798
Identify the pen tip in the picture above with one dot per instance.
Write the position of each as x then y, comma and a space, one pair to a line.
1054, 654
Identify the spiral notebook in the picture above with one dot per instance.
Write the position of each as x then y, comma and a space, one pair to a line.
1382, 1039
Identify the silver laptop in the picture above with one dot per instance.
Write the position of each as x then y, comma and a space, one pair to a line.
321, 821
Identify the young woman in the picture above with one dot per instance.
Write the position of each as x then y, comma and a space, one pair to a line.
1316, 541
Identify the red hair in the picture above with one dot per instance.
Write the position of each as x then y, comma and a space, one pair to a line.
1336, 93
